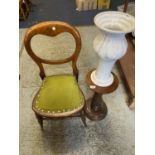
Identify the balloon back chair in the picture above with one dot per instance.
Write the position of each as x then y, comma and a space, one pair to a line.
59, 95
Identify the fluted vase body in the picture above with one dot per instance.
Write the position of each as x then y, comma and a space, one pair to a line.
110, 44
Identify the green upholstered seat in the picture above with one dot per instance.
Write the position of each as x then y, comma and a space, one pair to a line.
59, 94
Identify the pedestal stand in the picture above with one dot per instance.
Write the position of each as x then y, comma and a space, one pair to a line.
95, 108
110, 45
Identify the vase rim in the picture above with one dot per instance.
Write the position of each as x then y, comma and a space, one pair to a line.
115, 22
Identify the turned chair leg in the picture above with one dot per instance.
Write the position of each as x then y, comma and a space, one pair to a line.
83, 118
40, 120
23, 13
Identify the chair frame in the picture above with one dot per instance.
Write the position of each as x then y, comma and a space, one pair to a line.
53, 28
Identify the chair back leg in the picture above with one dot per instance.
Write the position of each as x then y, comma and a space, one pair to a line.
40, 120
83, 118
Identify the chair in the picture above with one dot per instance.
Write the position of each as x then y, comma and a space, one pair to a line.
53, 101
24, 9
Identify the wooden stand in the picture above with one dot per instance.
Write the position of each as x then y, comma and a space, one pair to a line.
95, 108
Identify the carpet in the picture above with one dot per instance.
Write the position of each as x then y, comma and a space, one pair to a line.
112, 136
64, 10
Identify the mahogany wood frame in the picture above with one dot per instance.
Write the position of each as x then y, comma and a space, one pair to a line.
53, 28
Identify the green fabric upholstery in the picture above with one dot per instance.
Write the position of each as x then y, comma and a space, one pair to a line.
59, 93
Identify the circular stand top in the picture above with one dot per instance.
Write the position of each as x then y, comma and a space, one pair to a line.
99, 89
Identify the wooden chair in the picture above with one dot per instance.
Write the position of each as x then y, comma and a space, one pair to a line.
59, 95
24, 9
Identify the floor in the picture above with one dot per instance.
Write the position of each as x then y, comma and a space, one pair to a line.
112, 136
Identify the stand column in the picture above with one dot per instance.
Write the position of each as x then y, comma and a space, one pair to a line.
95, 108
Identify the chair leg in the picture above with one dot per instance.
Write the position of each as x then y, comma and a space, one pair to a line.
83, 118
40, 120
23, 13
27, 6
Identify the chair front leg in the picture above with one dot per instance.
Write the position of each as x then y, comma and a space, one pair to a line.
40, 120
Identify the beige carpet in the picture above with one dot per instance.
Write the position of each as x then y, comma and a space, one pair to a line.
112, 136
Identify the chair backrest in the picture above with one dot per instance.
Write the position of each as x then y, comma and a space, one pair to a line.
53, 28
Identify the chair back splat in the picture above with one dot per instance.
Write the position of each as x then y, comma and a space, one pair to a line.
53, 28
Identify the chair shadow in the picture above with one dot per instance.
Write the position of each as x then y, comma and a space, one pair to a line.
64, 136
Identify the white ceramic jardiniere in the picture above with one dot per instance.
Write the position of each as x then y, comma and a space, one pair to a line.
110, 44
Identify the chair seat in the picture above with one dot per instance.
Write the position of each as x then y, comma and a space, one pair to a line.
59, 96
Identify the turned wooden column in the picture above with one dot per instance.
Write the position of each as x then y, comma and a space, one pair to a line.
95, 108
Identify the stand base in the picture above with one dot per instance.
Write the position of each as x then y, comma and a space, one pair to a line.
97, 115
